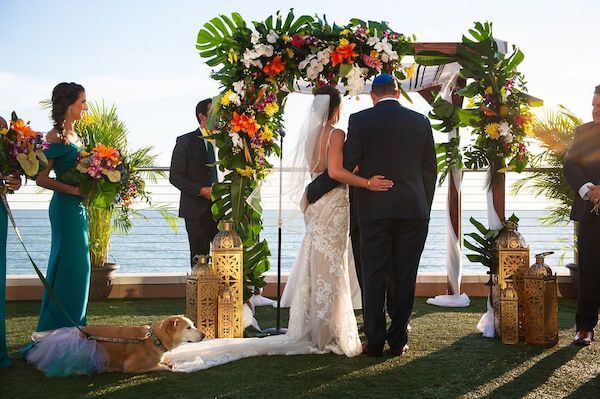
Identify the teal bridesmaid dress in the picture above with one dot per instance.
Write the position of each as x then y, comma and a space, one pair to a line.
4, 359
69, 263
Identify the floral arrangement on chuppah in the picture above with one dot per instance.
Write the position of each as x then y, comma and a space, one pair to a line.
259, 67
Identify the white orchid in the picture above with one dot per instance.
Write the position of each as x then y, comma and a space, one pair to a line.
250, 58
264, 50
356, 81
255, 38
238, 87
306, 61
234, 98
272, 36
236, 140
323, 56
372, 41
504, 130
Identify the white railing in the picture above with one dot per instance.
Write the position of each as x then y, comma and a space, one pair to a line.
152, 247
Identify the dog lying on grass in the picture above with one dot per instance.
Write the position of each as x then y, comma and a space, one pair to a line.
135, 349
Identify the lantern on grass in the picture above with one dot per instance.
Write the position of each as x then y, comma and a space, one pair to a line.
541, 303
202, 291
509, 315
512, 254
228, 261
226, 314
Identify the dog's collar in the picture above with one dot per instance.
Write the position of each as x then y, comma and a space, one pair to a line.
157, 341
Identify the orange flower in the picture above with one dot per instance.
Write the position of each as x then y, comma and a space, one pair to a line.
343, 52
20, 126
488, 112
274, 67
244, 123
105, 152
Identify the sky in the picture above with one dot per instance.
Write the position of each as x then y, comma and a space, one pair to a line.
141, 56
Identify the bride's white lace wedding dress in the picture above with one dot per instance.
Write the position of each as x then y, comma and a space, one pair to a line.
321, 314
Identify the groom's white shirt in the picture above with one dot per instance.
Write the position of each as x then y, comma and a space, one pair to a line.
388, 99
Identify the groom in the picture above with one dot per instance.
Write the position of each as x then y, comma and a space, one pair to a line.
395, 142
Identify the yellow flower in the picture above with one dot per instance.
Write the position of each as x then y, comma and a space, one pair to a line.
491, 129
225, 99
286, 38
344, 42
3, 131
267, 134
271, 108
489, 90
232, 56
246, 172
528, 129
410, 71
345, 32
503, 110
290, 52
374, 54
470, 103
87, 119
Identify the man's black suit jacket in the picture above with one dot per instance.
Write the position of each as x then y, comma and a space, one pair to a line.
189, 173
395, 142
582, 165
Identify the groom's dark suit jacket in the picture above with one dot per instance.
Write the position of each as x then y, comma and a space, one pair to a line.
395, 142
582, 165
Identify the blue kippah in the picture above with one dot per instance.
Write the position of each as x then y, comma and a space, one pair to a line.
382, 79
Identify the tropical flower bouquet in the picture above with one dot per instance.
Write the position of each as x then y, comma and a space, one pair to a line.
21, 151
111, 178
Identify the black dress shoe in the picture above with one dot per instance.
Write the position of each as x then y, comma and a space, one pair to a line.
399, 351
366, 351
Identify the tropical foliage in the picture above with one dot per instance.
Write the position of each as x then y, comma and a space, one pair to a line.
111, 177
259, 66
497, 109
554, 131
482, 246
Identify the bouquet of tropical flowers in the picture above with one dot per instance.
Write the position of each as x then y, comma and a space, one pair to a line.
21, 150
100, 180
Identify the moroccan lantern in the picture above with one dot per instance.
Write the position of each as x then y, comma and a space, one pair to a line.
511, 255
228, 262
202, 291
541, 303
226, 313
509, 315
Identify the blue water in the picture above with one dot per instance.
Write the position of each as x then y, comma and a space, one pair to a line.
152, 247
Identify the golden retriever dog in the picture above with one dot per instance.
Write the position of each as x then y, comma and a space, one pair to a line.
141, 355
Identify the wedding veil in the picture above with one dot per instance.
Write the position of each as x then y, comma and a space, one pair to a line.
307, 152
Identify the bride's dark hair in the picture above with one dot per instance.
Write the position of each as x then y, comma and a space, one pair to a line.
335, 98
63, 96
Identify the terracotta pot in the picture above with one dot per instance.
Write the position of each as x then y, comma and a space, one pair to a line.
574, 272
102, 281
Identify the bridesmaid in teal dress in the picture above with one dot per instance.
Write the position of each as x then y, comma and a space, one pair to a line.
69, 263
13, 183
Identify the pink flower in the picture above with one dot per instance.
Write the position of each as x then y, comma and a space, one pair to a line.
372, 62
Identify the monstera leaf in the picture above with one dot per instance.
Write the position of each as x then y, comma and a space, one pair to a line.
214, 40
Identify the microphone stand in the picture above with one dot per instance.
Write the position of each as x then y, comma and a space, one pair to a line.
278, 330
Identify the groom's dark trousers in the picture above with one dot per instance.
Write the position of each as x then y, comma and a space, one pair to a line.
395, 142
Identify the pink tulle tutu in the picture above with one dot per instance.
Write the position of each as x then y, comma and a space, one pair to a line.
64, 352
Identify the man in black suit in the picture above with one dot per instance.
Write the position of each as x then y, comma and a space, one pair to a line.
582, 172
193, 173
395, 142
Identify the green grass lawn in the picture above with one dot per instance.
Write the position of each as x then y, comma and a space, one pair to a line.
447, 359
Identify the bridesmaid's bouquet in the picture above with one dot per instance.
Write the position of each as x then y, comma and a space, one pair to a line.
21, 150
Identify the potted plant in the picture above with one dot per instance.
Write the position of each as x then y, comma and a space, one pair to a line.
554, 130
110, 177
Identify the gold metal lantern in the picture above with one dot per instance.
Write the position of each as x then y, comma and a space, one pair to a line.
226, 320
509, 315
202, 291
511, 254
228, 263
541, 303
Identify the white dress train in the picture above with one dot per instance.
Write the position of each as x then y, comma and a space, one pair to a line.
321, 314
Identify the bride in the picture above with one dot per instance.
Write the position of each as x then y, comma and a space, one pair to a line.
321, 313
